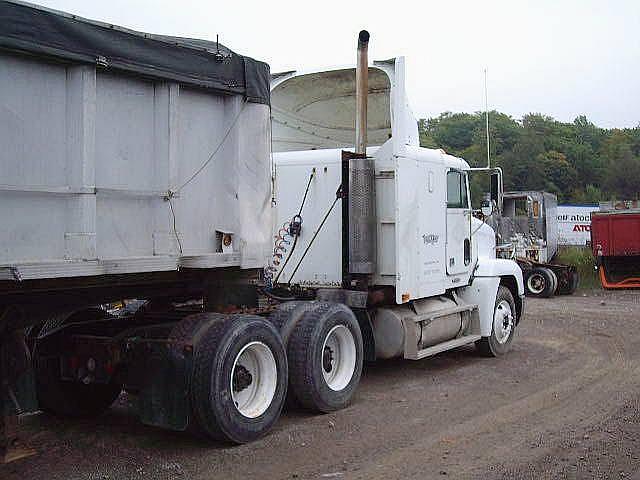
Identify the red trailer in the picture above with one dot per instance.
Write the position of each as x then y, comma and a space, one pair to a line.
615, 240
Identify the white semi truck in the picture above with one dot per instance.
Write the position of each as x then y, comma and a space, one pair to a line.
385, 229
137, 166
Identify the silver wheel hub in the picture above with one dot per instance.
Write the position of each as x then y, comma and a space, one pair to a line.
254, 379
536, 283
503, 321
338, 357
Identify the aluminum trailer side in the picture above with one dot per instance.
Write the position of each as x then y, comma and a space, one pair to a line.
133, 166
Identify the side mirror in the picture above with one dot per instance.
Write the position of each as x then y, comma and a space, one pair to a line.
529, 207
487, 206
496, 189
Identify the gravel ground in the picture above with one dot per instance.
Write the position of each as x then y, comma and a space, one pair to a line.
565, 403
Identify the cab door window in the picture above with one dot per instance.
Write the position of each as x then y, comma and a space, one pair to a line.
456, 190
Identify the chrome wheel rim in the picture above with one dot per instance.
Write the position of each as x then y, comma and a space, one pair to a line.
536, 283
338, 357
502, 321
254, 379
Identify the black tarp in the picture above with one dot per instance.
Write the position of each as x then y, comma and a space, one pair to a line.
59, 35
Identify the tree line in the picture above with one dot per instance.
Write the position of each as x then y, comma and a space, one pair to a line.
578, 161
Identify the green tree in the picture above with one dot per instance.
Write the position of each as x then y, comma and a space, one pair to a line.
577, 161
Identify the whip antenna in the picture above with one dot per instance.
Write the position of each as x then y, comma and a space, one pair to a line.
486, 115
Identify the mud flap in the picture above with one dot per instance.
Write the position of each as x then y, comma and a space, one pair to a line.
164, 396
20, 396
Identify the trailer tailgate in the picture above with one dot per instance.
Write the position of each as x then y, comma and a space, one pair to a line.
615, 233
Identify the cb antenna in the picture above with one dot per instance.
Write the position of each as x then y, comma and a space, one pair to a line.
486, 116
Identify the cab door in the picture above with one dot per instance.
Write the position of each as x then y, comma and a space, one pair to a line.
458, 247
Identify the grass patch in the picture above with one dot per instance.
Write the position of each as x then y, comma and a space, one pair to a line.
582, 259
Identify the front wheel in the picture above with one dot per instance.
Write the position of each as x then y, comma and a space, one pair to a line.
503, 326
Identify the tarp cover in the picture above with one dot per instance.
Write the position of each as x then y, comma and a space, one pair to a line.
40, 31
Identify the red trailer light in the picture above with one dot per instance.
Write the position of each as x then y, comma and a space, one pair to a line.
73, 363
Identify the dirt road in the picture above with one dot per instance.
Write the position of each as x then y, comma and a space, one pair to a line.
565, 403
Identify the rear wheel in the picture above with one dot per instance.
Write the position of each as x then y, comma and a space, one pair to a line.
239, 378
65, 397
539, 282
285, 318
503, 327
68, 398
288, 314
325, 357
555, 281
574, 280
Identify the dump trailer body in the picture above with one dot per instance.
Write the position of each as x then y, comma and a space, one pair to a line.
615, 240
133, 166
126, 153
615, 234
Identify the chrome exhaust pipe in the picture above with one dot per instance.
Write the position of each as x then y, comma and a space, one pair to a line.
362, 188
362, 91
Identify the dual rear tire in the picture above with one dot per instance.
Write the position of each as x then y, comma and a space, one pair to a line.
240, 371
325, 353
239, 379
244, 364
541, 282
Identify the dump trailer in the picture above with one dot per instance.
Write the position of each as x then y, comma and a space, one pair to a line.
383, 229
527, 231
615, 240
134, 166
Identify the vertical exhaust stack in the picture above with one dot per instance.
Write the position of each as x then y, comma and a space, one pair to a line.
362, 92
362, 228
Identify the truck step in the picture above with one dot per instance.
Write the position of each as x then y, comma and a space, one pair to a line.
442, 347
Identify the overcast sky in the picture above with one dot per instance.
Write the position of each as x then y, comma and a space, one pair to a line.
562, 58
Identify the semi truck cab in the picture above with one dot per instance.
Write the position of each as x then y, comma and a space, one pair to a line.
393, 224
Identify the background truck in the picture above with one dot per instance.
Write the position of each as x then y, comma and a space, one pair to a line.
527, 231
615, 241
138, 167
